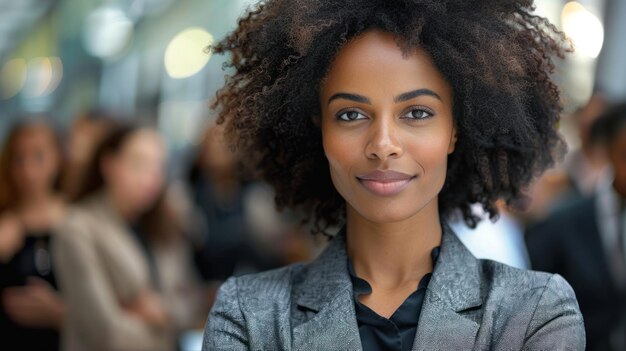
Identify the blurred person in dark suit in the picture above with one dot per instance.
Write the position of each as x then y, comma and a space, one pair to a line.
242, 228
584, 242
584, 166
105, 273
578, 176
218, 193
31, 309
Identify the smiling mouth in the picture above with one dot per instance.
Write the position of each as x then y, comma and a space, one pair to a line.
385, 183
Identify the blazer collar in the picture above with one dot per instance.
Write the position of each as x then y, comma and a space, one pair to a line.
326, 276
326, 290
456, 276
453, 289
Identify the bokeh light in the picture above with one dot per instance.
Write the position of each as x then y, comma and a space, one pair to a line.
12, 78
184, 55
584, 28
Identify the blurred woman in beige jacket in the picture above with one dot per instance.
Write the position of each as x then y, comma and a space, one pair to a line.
104, 270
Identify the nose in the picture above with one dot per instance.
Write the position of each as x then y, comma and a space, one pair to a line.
383, 142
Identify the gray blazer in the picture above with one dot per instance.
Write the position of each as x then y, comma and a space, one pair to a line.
470, 304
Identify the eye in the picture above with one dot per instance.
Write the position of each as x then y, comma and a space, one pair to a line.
350, 116
418, 113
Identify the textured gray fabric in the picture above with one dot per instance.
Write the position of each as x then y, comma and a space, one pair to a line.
470, 304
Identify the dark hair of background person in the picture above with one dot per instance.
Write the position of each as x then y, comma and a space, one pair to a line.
197, 169
496, 55
8, 197
158, 222
608, 126
92, 126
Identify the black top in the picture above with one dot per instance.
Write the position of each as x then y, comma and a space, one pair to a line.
397, 332
33, 260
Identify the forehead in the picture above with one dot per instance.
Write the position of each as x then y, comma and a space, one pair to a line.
34, 136
373, 64
142, 141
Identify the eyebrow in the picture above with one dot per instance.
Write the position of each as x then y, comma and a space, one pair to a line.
348, 96
400, 98
415, 93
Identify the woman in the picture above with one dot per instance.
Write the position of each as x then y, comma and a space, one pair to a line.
385, 117
31, 309
104, 270
85, 134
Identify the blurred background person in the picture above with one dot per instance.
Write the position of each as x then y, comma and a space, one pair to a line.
584, 165
106, 275
85, 134
168, 233
218, 192
31, 310
584, 242
241, 229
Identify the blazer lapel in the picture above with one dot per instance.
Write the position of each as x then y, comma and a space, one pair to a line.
453, 289
326, 294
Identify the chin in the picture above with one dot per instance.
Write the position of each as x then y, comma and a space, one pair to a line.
392, 210
387, 213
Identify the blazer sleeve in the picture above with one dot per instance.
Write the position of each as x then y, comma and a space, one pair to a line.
226, 328
93, 308
557, 323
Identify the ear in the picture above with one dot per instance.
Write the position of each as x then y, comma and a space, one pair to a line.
453, 139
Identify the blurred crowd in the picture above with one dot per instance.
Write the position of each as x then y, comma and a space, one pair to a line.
100, 250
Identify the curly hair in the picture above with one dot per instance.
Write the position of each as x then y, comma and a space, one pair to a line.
497, 56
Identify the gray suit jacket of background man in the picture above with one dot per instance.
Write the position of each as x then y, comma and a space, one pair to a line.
470, 304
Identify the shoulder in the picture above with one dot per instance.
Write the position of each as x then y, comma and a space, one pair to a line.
543, 305
83, 223
570, 214
247, 307
497, 274
267, 286
76, 220
530, 284
561, 233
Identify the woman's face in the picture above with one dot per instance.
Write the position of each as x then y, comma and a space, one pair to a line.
387, 128
135, 174
36, 160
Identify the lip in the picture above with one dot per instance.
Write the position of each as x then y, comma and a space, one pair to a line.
385, 183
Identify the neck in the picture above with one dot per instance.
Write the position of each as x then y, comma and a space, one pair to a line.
35, 199
396, 253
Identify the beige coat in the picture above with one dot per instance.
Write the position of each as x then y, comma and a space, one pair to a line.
100, 266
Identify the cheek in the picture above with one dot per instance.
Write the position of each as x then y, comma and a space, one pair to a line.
434, 164
122, 180
51, 167
341, 152
429, 151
